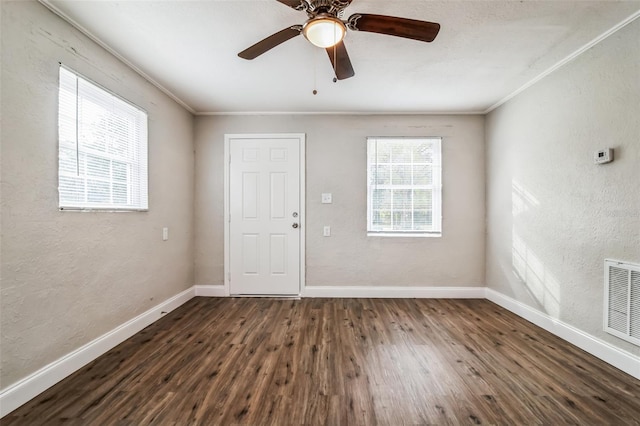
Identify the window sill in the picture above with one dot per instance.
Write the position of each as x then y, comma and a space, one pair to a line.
404, 235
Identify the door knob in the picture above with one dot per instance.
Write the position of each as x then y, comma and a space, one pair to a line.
295, 225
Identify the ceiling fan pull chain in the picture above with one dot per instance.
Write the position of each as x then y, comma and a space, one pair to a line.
335, 63
315, 74
335, 58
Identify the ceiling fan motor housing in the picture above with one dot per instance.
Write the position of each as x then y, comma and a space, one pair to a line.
331, 7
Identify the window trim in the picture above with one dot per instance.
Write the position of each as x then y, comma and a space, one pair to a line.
436, 188
143, 164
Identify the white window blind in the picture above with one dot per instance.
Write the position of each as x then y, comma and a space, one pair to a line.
404, 186
102, 151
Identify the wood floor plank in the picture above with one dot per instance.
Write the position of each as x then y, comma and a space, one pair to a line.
339, 362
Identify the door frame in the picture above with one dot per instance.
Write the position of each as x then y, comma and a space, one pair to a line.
301, 137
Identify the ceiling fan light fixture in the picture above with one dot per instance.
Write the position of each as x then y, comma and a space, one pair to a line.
324, 31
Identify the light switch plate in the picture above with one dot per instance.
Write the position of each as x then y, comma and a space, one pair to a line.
327, 198
326, 231
165, 234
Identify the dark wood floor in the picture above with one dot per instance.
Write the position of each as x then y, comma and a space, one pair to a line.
338, 362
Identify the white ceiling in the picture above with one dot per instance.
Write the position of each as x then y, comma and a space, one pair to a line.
486, 51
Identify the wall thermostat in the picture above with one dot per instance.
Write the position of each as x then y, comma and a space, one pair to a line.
603, 156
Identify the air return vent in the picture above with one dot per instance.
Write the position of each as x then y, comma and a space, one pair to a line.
622, 300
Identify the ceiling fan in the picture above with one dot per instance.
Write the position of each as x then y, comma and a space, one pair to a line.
325, 28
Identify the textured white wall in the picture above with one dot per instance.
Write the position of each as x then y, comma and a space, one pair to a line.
554, 216
336, 163
68, 277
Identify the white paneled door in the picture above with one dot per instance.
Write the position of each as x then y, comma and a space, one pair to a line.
264, 214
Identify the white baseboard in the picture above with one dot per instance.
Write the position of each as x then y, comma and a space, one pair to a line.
31, 386
620, 359
36, 383
395, 292
211, 290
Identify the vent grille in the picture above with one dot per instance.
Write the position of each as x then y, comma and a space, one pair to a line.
622, 300
635, 305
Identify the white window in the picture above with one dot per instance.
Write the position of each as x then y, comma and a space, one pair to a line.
404, 195
102, 151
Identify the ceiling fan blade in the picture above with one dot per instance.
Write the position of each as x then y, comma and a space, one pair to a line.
390, 25
340, 61
296, 4
270, 42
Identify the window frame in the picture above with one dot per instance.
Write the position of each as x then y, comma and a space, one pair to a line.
435, 187
135, 161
